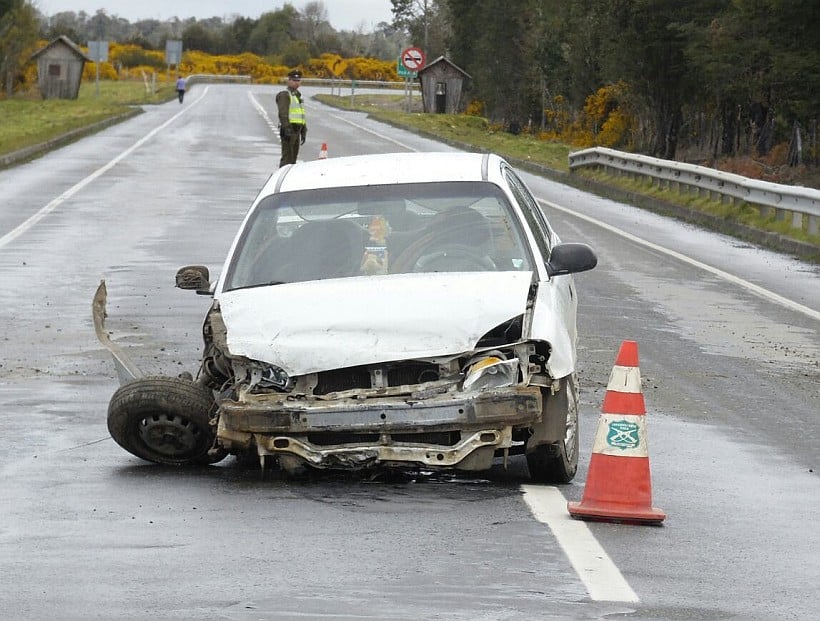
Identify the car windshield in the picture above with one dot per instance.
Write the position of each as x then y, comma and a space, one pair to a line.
377, 230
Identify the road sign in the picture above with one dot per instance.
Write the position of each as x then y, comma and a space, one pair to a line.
412, 58
173, 52
98, 51
403, 71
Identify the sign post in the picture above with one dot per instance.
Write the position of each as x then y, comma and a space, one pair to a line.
173, 55
410, 62
98, 51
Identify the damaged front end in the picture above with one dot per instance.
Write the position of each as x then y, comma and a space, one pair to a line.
454, 412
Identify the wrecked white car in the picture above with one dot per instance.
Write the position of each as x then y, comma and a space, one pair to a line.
401, 310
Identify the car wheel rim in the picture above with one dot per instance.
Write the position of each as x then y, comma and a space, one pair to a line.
170, 436
571, 431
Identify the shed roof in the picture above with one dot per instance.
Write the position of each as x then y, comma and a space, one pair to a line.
62, 39
442, 59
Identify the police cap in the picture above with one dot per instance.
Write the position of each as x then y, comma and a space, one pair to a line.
295, 74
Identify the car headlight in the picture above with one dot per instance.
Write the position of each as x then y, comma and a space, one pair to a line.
491, 372
268, 376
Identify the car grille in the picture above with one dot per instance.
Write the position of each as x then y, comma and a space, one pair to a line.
342, 379
409, 373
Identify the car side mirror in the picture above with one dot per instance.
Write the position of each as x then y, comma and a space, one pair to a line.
570, 259
195, 277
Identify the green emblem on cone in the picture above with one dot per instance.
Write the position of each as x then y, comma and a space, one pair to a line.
623, 435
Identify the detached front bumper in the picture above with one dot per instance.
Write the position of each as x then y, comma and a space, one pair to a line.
353, 434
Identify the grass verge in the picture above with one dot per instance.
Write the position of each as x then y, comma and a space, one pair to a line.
26, 122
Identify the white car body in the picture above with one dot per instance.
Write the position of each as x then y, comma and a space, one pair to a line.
396, 310
392, 332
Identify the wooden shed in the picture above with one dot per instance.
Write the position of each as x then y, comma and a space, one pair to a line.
60, 69
442, 83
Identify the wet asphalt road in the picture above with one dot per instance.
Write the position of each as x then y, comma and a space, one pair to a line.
729, 357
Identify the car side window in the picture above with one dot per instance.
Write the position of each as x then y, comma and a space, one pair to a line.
532, 213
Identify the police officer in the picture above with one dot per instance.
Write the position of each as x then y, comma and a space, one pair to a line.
292, 124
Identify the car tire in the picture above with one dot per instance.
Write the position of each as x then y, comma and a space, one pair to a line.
558, 462
165, 420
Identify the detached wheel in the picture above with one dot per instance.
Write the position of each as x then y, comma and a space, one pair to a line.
557, 462
165, 420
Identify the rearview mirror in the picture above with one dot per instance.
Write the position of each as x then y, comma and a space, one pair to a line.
570, 259
195, 277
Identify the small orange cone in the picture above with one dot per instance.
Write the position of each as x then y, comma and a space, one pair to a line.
618, 487
323, 151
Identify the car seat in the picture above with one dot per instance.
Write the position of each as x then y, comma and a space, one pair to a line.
461, 230
323, 249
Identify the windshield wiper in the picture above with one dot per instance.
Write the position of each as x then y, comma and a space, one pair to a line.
261, 284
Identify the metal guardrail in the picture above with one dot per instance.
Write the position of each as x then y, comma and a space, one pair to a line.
355, 84
797, 201
212, 78
333, 83
209, 78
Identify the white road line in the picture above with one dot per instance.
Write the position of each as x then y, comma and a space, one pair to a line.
756, 289
34, 219
274, 125
602, 579
375, 133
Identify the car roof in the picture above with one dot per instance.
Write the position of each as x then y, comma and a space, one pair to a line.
385, 169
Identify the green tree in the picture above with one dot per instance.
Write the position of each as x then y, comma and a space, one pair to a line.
273, 31
66, 24
759, 60
18, 35
236, 36
497, 47
295, 53
426, 22
197, 37
646, 49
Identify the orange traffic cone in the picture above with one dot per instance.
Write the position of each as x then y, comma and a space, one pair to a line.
618, 487
323, 151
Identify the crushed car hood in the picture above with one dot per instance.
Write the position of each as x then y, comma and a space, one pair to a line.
313, 326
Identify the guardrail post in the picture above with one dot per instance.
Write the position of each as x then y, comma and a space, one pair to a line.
797, 220
814, 229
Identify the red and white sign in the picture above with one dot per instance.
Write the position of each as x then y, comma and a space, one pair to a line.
412, 58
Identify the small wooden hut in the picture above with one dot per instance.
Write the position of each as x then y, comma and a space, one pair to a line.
60, 69
441, 86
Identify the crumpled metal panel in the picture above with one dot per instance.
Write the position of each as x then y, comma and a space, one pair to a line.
314, 326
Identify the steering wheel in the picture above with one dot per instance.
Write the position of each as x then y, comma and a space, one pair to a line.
455, 259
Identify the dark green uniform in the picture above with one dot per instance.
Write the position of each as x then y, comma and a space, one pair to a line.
292, 124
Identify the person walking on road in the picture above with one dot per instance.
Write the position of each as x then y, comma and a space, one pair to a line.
292, 123
180, 87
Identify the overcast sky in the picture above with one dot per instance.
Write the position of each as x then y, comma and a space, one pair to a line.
342, 14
